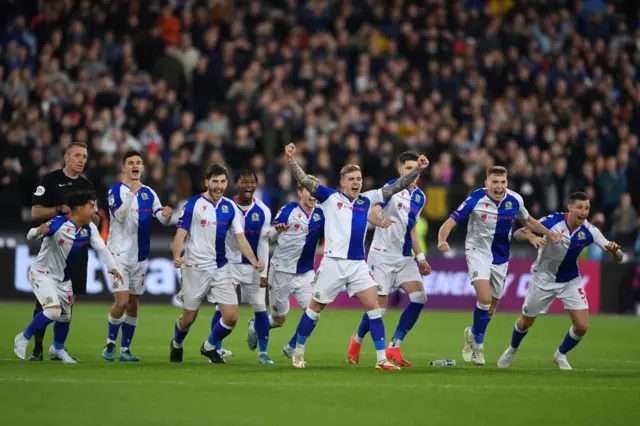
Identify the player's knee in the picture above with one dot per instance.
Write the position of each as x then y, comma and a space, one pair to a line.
230, 318
580, 328
418, 297
53, 313
121, 303
65, 317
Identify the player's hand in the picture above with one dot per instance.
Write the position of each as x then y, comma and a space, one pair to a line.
290, 150
423, 162
136, 186
259, 266
178, 262
424, 267
63, 209
43, 229
612, 247
263, 282
537, 242
281, 227
555, 237
444, 247
115, 274
167, 211
387, 222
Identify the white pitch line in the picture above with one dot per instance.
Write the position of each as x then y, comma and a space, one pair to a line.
318, 384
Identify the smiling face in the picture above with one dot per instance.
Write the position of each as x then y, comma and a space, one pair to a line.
246, 186
133, 168
351, 181
579, 211
307, 201
216, 185
497, 185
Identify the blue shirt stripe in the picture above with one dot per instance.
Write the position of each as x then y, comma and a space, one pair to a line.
358, 228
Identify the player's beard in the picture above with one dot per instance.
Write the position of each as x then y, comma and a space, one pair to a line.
215, 194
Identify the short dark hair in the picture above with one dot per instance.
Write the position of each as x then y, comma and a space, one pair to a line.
78, 144
578, 196
80, 198
129, 154
408, 156
245, 173
215, 170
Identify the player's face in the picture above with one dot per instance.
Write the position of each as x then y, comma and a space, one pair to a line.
216, 185
352, 184
407, 168
133, 168
85, 212
579, 211
246, 187
76, 159
497, 185
307, 201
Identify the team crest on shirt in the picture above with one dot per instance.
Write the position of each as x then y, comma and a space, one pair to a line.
84, 232
418, 198
112, 200
225, 209
144, 196
508, 205
475, 274
360, 201
581, 235
255, 217
316, 295
48, 300
316, 216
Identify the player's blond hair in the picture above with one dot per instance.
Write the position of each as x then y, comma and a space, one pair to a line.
496, 170
312, 177
348, 169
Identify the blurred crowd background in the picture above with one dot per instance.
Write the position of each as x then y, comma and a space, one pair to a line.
549, 89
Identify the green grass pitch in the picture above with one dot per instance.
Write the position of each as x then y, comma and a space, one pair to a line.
603, 389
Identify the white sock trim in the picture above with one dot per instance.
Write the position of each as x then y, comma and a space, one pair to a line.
312, 314
130, 320
573, 335
483, 307
228, 327
418, 297
115, 321
375, 313
381, 355
518, 329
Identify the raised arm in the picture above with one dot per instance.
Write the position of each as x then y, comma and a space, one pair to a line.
301, 177
45, 213
406, 180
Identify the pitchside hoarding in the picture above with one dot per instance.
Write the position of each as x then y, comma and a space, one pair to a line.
448, 287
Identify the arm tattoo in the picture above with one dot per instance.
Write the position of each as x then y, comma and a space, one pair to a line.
301, 177
401, 183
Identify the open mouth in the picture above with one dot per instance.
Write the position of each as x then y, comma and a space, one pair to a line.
135, 173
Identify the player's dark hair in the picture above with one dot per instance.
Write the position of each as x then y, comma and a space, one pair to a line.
80, 198
578, 196
129, 154
78, 144
215, 170
408, 156
245, 173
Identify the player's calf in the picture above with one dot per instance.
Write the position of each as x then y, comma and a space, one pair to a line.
409, 317
39, 322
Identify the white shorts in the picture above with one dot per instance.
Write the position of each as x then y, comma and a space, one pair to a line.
390, 272
482, 268
51, 292
132, 276
249, 281
214, 284
539, 300
334, 273
283, 285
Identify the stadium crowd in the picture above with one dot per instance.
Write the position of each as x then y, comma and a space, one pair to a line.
550, 89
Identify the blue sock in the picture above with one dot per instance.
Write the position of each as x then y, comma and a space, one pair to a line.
516, 336
179, 335
60, 333
306, 326
113, 328
377, 332
363, 328
217, 316
481, 320
128, 329
570, 341
292, 342
408, 319
38, 322
219, 332
262, 327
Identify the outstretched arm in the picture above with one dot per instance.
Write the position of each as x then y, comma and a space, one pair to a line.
301, 177
405, 180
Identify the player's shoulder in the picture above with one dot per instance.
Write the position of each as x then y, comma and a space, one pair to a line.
478, 193
590, 227
191, 202
117, 187
86, 183
515, 195
391, 182
553, 218
228, 203
288, 208
262, 205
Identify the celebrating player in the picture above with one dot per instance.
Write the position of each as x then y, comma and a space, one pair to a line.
555, 274
298, 228
392, 262
206, 219
131, 206
343, 263
256, 220
50, 274
491, 212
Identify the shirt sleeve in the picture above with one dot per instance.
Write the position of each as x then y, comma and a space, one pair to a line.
100, 247
114, 199
157, 210
598, 238
523, 213
283, 215
465, 209
323, 193
184, 221
237, 223
375, 196
54, 225
44, 194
